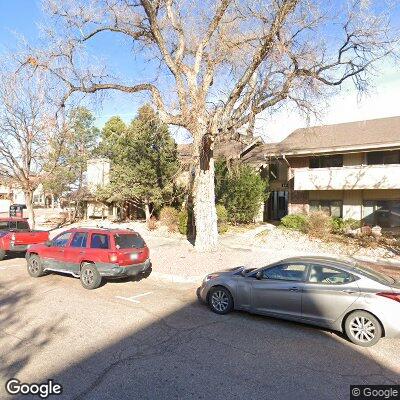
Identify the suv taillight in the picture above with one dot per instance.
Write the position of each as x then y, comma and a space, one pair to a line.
113, 257
388, 295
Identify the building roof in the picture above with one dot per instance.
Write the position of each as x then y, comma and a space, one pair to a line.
367, 135
358, 135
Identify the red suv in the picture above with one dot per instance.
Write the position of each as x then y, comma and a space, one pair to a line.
91, 254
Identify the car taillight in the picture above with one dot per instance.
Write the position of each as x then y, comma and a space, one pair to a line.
113, 257
388, 295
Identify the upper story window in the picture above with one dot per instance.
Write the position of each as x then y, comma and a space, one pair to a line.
326, 161
383, 157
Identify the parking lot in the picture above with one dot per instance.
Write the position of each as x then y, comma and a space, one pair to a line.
150, 339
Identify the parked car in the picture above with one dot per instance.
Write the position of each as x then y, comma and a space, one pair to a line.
16, 236
91, 254
340, 295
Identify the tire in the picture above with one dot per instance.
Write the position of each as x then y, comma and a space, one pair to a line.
362, 328
90, 277
2, 254
220, 300
35, 266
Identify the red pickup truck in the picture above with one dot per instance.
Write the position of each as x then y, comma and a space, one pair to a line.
16, 236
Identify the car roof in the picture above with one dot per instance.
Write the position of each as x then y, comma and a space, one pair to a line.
341, 262
103, 230
7, 219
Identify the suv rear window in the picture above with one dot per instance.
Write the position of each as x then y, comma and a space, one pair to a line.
128, 241
23, 225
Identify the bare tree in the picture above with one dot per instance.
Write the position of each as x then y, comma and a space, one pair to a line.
27, 125
222, 63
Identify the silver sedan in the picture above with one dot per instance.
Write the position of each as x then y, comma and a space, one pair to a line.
333, 293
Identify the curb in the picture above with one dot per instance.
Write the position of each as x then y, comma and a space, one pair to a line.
176, 278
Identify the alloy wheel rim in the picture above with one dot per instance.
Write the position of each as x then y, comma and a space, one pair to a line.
88, 276
220, 300
362, 329
34, 266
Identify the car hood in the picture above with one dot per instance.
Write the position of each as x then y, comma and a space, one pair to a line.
233, 271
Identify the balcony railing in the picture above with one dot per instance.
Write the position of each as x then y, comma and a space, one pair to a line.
348, 177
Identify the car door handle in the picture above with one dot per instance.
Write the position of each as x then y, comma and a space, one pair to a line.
349, 291
294, 289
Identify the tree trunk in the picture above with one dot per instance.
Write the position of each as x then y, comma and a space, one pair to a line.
147, 211
205, 213
29, 208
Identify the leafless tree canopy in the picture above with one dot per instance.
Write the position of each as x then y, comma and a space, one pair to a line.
27, 126
218, 63
228, 60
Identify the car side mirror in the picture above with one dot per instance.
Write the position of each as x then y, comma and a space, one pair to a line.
48, 243
259, 275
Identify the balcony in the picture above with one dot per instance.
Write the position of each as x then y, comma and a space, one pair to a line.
348, 177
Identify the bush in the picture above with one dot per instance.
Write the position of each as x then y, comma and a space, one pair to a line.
340, 225
319, 224
183, 219
222, 216
245, 192
152, 223
295, 221
169, 216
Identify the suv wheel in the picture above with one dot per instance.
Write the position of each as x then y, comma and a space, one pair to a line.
2, 254
35, 266
90, 277
220, 300
363, 329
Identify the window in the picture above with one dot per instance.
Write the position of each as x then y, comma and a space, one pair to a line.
286, 272
383, 157
61, 240
23, 226
79, 239
3, 225
132, 241
99, 241
326, 161
12, 225
331, 207
327, 275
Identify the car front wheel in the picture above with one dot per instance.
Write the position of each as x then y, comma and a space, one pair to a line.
90, 277
220, 300
35, 267
363, 329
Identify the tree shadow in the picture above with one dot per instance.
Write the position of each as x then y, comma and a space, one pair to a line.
25, 336
193, 353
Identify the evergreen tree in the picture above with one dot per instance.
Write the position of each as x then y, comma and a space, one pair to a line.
144, 161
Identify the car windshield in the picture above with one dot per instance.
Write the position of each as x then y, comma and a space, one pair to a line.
128, 241
372, 274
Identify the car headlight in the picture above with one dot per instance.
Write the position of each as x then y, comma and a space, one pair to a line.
209, 277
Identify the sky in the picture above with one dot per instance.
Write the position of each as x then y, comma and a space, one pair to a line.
383, 99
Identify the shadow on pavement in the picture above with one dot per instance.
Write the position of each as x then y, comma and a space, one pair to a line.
192, 353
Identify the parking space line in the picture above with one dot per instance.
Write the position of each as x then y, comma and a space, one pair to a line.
133, 298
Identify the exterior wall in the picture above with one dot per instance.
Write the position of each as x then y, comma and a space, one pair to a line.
352, 204
298, 199
352, 159
98, 173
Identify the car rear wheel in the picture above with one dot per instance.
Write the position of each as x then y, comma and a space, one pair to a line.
35, 266
90, 277
2, 254
363, 329
220, 300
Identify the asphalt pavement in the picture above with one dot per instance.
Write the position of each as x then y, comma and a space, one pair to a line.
150, 339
